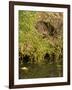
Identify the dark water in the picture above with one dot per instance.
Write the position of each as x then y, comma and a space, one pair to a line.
44, 70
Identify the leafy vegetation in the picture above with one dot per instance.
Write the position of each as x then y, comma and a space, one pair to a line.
40, 39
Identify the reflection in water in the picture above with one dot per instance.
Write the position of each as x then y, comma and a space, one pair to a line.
40, 70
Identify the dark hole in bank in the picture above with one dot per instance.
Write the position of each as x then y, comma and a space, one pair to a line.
26, 59
50, 58
47, 57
